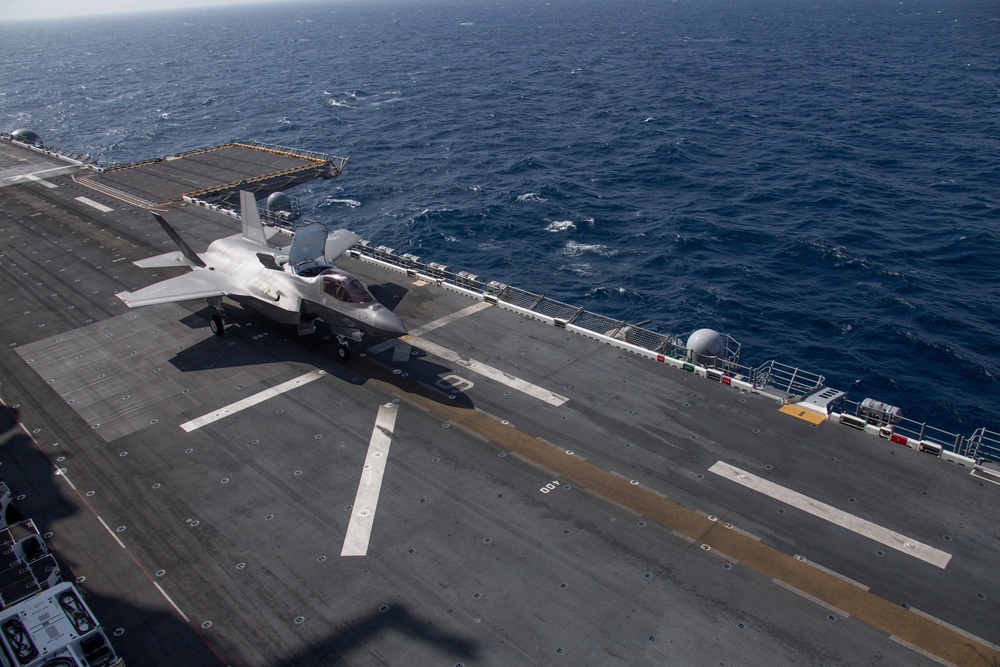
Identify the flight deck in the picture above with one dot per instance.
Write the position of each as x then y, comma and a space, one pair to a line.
493, 489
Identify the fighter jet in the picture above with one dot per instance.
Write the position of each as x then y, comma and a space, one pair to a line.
296, 284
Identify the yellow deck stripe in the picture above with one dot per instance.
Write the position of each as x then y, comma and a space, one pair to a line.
920, 631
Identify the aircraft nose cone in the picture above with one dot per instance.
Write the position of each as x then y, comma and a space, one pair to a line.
388, 325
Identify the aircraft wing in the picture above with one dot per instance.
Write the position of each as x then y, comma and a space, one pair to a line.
190, 286
338, 242
175, 258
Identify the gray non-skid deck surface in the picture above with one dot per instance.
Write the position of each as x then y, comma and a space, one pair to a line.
14, 164
167, 180
241, 522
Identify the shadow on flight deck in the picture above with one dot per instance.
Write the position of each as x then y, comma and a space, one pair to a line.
348, 642
388, 294
252, 339
154, 638
30, 473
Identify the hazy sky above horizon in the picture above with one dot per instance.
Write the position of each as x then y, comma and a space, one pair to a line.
13, 10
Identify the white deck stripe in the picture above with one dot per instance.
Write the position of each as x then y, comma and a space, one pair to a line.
251, 401
889, 538
56, 171
402, 347
430, 326
448, 319
497, 375
359, 530
32, 177
91, 202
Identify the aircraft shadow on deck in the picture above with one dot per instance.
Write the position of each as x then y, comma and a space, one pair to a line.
388, 294
9, 418
365, 628
252, 339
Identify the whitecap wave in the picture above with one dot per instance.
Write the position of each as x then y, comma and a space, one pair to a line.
574, 249
431, 212
350, 203
605, 292
582, 269
560, 226
530, 196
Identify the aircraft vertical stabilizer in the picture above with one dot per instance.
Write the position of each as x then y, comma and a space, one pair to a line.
253, 228
185, 249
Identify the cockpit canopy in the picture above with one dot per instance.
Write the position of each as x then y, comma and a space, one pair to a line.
345, 287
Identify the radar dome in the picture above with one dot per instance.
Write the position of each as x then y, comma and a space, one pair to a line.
280, 203
26, 137
704, 345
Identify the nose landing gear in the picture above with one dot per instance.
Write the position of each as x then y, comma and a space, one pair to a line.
343, 352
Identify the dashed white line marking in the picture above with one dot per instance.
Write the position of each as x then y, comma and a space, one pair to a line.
812, 598
955, 628
889, 538
170, 600
926, 654
68, 480
251, 401
359, 529
108, 528
94, 204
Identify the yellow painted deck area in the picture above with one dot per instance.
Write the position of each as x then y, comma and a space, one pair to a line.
806, 414
945, 643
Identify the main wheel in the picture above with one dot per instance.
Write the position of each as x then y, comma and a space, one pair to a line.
215, 324
343, 352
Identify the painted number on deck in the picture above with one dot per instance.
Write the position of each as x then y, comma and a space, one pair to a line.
551, 486
454, 383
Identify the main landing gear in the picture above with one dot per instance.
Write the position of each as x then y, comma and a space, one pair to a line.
215, 324
215, 321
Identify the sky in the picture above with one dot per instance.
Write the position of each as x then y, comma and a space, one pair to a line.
14, 10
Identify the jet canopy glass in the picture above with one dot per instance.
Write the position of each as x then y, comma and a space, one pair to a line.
345, 287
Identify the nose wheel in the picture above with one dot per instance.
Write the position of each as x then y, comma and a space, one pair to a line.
343, 352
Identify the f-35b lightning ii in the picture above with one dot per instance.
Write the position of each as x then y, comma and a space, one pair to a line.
296, 284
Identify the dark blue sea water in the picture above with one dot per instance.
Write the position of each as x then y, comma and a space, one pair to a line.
819, 179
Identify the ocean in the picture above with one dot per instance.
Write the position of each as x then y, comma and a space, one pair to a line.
820, 180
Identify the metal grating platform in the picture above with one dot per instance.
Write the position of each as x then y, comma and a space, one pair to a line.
215, 172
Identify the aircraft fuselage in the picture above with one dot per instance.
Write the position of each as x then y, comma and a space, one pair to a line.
326, 293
